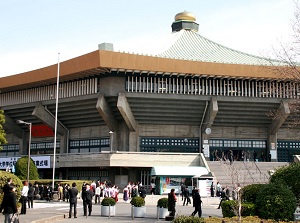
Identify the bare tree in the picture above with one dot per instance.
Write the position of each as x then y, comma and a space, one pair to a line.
286, 67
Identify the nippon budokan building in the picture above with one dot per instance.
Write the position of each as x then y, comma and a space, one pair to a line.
131, 116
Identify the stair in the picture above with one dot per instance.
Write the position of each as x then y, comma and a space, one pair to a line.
241, 172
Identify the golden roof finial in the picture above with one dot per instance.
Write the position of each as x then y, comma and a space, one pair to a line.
185, 16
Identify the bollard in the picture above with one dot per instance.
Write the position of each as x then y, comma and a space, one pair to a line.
132, 214
109, 211
157, 213
223, 221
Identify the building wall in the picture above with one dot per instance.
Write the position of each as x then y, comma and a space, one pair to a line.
89, 132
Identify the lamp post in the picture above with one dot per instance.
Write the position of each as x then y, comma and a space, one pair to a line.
30, 127
111, 140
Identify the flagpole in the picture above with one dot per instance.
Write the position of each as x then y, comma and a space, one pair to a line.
55, 128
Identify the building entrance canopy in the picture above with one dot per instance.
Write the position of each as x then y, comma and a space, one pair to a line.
189, 171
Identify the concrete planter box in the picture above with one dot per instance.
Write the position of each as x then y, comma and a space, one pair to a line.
138, 212
108, 210
162, 212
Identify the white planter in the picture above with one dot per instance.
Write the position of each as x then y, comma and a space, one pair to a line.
139, 212
162, 212
105, 210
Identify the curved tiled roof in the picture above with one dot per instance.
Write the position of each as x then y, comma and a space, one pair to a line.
189, 45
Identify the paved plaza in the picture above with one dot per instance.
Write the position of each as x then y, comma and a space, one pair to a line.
55, 211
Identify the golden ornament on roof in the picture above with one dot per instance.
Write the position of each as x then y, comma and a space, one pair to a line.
185, 16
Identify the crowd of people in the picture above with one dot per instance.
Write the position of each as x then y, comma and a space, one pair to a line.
93, 193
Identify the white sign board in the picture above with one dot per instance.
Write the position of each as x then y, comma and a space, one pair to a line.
206, 150
41, 162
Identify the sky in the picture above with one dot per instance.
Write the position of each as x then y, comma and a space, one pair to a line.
33, 32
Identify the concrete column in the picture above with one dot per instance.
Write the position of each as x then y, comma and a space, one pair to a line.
106, 113
272, 147
24, 144
126, 112
63, 143
121, 137
209, 118
13, 127
134, 141
46, 117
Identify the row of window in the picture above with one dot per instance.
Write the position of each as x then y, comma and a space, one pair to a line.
212, 86
238, 143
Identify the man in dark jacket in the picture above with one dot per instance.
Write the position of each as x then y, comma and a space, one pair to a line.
9, 204
30, 195
73, 192
87, 197
223, 197
142, 192
6, 187
186, 195
197, 204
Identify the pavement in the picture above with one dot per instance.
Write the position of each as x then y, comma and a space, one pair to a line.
55, 211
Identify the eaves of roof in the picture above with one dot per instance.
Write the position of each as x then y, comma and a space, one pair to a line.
101, 61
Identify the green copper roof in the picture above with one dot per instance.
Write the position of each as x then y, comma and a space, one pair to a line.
189, 45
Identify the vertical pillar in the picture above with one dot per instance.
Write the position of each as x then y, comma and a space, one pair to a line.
24, 144
63, 143
272, 148
205, 144
134, 144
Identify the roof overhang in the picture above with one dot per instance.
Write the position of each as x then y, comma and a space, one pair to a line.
184, 171
101, 61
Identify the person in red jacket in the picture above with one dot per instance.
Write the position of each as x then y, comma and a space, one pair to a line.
172, 202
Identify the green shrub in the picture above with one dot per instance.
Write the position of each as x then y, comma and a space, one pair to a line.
162, 202
108, 201
137, 201
289, 174
16, 181
249, 192
21, 169
249, 209
228, 208
187, 219
276, 201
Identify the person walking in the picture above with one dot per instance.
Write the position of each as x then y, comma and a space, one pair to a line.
223, 197
87, 198
182, 189
30, 195
9, 204
172, 202
97, 194
60, 192
24, 196
73, 192
186, 195
212, 189
153, 187
125, 194
83, 197
197, 204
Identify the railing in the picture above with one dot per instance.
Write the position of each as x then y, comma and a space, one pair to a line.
66, 90
212, 86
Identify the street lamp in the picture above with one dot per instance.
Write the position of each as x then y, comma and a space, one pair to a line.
111, 139
30, 127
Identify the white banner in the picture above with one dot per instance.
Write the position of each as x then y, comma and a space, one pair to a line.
8, 163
